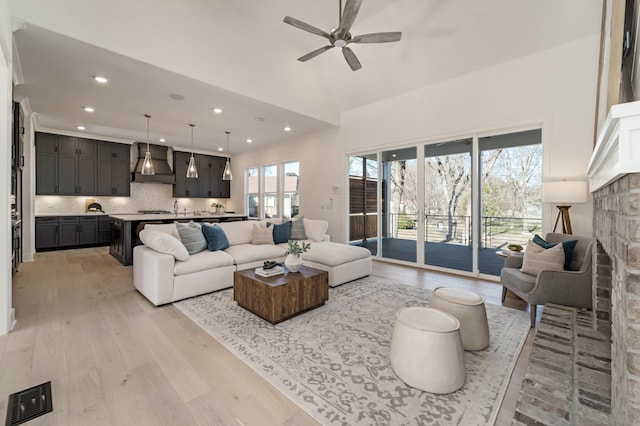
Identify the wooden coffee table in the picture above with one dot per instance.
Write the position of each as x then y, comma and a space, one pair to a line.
279, 298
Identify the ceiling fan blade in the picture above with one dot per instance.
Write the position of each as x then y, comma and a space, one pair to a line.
351, 58
305, 27
313, 54
377, 38
349, 14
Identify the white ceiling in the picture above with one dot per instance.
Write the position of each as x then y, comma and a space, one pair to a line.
240, 56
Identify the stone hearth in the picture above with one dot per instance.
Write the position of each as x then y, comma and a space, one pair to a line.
614, 175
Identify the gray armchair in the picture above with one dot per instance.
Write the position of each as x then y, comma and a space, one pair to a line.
569, 288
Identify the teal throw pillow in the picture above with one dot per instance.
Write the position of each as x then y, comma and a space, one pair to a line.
568, 246
192, 238
281, 232
297, 230
215, 236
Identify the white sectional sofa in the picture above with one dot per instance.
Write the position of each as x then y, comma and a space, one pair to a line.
162, 278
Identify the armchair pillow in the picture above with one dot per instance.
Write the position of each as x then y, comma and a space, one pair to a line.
538, 259
568, 247
215, 236
192, 237
164, 243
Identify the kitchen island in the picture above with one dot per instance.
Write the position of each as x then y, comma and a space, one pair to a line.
123, 228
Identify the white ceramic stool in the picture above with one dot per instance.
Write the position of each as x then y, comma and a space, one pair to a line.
426, 352
468, 308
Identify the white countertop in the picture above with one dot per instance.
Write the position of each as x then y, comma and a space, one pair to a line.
181, 216
70, 214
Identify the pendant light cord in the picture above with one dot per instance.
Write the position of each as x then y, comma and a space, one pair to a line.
148, 117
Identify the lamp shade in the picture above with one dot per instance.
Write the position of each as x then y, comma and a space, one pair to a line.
568, 192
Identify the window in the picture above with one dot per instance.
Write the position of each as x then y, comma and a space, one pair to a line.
273, 190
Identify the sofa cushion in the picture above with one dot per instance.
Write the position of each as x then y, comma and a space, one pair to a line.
167, 228
281, 232
568, 246
215, 236
164, 243
538, 259
192, 237
315, 229
203, 261
246, 253
334, 254
240, 232
297, 229
262, 234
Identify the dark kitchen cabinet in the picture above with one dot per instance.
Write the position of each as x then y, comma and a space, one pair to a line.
46, 164
68, 231
46, 232
104, 233
209, 183
53, 232
113, 169
65, 165
185, 187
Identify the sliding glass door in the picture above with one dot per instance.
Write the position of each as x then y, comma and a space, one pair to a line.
447, 205
464, 201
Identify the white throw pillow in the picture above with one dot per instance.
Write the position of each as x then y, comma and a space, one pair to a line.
538, 259
164, 243
315, 229
167, 228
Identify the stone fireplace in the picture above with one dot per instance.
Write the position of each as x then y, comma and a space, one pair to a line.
614, 175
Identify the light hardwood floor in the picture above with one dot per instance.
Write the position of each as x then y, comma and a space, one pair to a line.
115, 359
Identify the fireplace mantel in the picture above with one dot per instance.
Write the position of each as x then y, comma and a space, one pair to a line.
617, 151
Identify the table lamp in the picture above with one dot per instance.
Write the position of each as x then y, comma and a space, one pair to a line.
565, 193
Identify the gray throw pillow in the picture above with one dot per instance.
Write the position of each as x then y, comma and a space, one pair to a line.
297, 229
191, 237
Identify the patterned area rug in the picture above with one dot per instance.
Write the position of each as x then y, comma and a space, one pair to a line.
334, 360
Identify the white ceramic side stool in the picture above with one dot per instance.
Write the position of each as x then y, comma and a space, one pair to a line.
468, 308
426, 351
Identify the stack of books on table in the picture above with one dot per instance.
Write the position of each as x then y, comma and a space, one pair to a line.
276, 270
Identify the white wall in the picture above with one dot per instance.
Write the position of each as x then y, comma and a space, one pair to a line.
554, 88
6, 311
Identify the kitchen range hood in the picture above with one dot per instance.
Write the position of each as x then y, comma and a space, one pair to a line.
163, 173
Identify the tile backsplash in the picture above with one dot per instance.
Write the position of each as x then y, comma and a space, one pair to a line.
144, 196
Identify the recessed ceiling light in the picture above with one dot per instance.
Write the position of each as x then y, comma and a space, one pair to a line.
100, 79
287, 129
176, 97
219, 148
217, 110
163, 140
88, 109
260, 119
80, 127
249, 140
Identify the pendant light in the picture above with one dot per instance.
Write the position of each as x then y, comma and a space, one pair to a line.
147, 164
192, 172
226, 175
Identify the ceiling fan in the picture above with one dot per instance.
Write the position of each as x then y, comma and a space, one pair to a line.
341, 37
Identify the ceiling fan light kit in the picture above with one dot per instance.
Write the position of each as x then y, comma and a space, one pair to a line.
341, 36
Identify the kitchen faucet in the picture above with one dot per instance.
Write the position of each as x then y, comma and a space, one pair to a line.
175, 207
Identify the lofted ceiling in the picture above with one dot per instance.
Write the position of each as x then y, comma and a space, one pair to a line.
238, 55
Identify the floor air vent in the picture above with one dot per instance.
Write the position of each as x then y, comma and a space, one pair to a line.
29, 404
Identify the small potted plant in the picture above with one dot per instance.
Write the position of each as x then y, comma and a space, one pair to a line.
219, 208
293, 262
